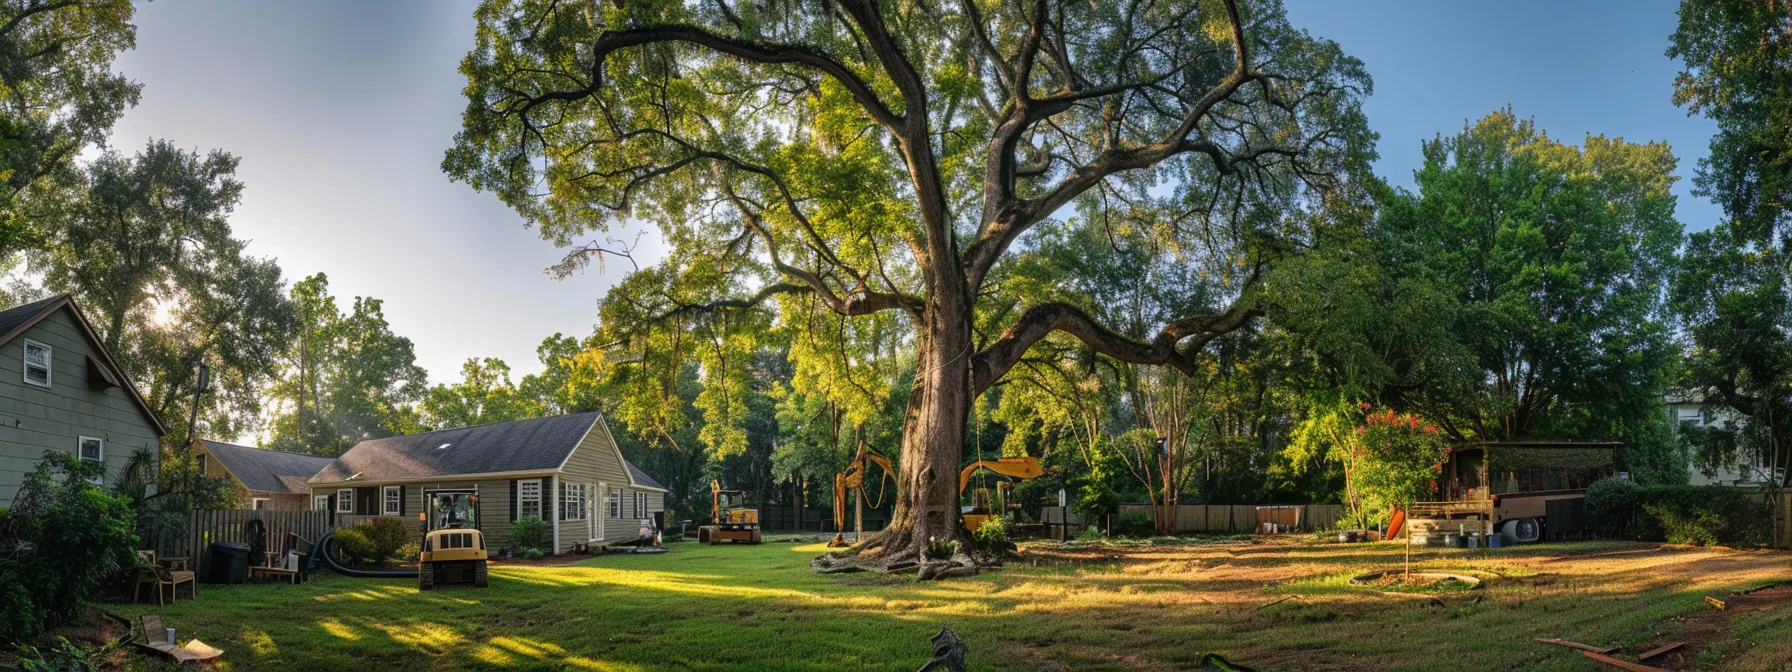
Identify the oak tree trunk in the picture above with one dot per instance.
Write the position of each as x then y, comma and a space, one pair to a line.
933, 433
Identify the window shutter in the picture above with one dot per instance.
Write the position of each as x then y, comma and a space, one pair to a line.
403, 496
513, 500
560, 509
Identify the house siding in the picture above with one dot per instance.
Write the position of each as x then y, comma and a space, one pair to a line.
33, 419
494, 504
596, 461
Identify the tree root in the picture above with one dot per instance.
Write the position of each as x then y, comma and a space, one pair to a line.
926, 569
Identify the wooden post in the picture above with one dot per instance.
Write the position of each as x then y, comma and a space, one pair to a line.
858, 516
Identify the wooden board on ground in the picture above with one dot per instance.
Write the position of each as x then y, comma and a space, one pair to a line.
1576, 645
1660, 650
1621, 664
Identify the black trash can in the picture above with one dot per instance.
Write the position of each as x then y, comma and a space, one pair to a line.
304, 566
230, 563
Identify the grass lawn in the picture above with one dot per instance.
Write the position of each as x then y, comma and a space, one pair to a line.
1141, 607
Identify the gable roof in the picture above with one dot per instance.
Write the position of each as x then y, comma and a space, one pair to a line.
17, 320
638, 477
267, 470
536, 444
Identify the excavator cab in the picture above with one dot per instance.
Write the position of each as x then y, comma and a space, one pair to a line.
985, 503
453, 549
730, 518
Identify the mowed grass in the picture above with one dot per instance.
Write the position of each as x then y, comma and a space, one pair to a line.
1155, 607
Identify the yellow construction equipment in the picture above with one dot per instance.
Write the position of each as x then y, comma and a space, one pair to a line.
731, 520
982, 508
853, 480
453, 549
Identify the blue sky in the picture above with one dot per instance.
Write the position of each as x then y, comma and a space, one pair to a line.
341, 110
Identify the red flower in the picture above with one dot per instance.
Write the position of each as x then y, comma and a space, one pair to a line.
1433, 485
1437, 468
1366, 406
1430, 429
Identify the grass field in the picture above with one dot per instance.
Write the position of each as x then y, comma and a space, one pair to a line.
1138, 607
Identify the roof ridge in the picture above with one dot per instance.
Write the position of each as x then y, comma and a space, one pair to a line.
488, 424
265, 450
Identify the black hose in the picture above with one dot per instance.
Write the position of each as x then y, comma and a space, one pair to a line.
325, 546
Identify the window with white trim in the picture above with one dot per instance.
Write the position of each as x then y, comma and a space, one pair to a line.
394, 501
258, 503
37, 363
572, 501
640, 504
528, 499
345, 501
320, 502
616, 502
92, 450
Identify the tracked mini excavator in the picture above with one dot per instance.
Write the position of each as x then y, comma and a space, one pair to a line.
985, 504
730, 518
853, 480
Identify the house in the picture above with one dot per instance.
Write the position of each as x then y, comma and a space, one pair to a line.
1750, 469
565, 469
61, 390
265, 479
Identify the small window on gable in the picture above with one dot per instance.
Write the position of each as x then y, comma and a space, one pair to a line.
258, 503
37, 363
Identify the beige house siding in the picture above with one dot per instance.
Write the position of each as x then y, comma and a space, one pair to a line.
34, 418
598, 465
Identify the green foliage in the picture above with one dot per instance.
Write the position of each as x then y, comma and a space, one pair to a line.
1394, 461
150, 232
991, 538
58, 98
1134, 525
65, 656
408, 552
941, 549
62, 537
530, 532
484, 396
1091, 532
1680, 514
374, 541
346, 378
531, 554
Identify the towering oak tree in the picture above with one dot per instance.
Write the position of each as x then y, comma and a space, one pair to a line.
818, 164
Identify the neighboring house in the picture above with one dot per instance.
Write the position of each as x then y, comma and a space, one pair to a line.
1746, 470
265, 479
566, 470
61, 390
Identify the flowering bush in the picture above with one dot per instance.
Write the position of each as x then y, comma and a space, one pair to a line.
1395, 459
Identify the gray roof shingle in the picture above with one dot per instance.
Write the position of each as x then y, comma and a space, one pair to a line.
538, 444
267, 470
640, 477
11, 318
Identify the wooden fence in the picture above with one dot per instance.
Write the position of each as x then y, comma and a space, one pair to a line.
192, 535
1236, 518
1781, 501
815, 519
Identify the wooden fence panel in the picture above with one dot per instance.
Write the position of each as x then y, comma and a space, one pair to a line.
1781, 501
192, 536
1238, 518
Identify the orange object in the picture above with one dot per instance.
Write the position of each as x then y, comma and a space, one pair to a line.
1398, 521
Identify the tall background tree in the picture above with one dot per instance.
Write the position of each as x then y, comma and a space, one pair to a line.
1732, 291
826, 161
146, 247
58, 97
346, 377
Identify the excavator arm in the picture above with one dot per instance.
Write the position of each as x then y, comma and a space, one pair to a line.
853, 478
1018, 468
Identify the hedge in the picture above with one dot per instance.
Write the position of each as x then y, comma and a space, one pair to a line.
1680, 514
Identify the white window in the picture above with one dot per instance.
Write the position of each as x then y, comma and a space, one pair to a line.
394, 501
528, 499
320, 502
93, 450
597, 524
1691, 416
572, 501
616, 502
37, 363
345, 501
640, 504
258, 503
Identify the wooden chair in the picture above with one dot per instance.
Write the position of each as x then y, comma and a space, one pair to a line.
161, 577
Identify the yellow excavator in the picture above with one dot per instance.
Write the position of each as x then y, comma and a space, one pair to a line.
853, 480
983, 505
731, 519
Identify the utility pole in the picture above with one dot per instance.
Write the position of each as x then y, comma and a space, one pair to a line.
193, 414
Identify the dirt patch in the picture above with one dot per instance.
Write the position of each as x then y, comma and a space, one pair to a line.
93, 632
1709, 625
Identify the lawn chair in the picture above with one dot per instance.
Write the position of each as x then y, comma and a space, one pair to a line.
155, 638
160, 576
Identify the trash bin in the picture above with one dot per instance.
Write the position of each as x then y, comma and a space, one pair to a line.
230, 563
304, 565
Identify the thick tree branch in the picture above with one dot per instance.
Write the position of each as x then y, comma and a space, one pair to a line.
1175, 346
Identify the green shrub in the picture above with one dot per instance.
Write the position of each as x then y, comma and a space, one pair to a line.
531, 554
62, 538
992, 537
1134, 525
1680, 514
530, 533
374, 541
1091, 532
941, 549
408, 552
